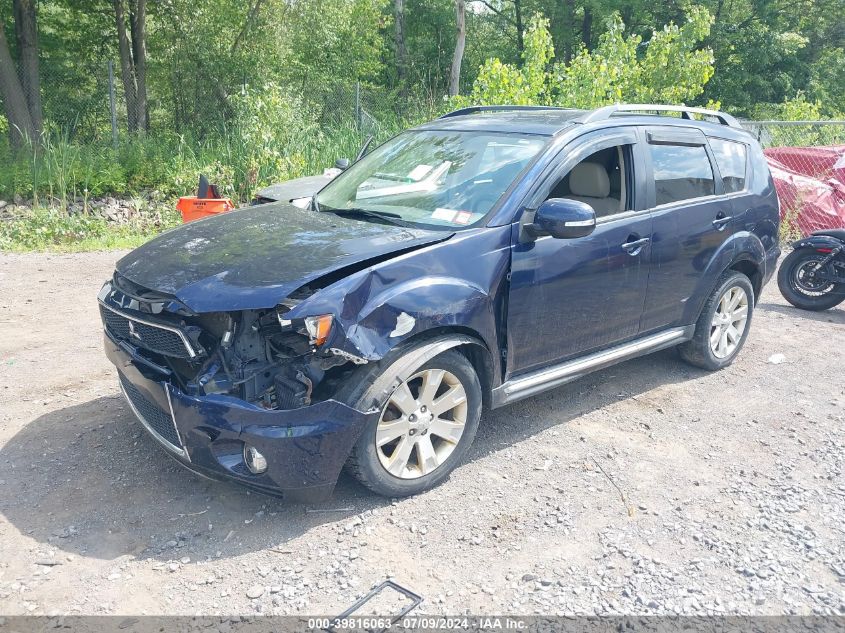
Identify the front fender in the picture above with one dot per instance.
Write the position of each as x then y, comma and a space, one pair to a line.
739, 247
458, 285
817, 241
416, 306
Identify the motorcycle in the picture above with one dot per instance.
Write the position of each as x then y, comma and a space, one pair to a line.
812, 276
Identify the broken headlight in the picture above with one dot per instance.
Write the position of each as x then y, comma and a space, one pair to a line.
318, 328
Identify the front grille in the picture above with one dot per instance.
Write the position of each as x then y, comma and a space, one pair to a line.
151, 414
143, 334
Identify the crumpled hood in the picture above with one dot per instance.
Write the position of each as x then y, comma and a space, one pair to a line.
253, 258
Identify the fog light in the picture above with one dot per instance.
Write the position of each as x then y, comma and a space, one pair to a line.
254, 460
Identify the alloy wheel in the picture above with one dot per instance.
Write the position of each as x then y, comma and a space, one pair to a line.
804, 279
421, 424
729, 322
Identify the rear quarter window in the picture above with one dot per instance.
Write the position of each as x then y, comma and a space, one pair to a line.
732, 160
681, 172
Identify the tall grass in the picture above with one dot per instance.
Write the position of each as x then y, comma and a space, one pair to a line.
55, 170
273, 137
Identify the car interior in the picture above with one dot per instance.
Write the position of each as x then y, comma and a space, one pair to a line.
681, 172
473, 180
598, 181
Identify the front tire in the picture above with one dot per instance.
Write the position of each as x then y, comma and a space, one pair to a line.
424, 428
798, 287
723, 325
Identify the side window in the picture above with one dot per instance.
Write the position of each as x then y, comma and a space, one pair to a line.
681, 172
731, 160
601, 180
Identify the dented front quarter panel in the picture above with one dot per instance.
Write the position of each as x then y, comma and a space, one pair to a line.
458, 285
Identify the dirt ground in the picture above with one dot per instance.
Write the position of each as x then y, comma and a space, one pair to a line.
650, 487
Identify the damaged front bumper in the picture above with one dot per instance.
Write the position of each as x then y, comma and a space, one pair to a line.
305, 448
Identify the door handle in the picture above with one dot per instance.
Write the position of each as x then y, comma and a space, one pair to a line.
721, 221
635, 246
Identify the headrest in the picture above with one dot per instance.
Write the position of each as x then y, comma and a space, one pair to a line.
589, 180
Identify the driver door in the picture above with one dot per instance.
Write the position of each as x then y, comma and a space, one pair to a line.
572, 296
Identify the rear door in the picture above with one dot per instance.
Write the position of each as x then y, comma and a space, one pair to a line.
691, 220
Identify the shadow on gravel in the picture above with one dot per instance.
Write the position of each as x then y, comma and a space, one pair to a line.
87, 479
834, 315
524, 419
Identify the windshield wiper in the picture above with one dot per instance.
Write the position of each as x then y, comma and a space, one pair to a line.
392, 218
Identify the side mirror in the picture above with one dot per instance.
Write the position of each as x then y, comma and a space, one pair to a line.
342, 164
563, 218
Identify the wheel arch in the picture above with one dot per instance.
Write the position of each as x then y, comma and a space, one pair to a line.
744, 253
378, 379
750, 269
469, 343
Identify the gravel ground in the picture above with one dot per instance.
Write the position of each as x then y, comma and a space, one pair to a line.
650, 487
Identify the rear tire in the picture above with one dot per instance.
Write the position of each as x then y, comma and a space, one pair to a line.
723, 324
795, 287
423, 430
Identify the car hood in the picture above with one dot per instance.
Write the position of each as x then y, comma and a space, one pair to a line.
296, 188
254, 257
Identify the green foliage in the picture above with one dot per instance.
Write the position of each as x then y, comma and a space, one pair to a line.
323, 32
797, 109
251, 93
800, 109
672, 69
50, 229
539, 51
768, 51
273, 137
499, 83
265, 141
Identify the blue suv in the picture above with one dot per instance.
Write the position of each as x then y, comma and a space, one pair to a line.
473, 261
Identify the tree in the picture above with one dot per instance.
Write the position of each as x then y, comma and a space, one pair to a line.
133, 62
138, 30
520, 25
21, 126
26, 33
767, 51
20, 86
335, 41
502, 9
673, 69
499, 83
401, 50
460, 44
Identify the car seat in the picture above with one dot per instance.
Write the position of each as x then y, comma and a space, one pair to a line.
589, 182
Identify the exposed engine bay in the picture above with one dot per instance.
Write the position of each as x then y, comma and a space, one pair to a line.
258, 356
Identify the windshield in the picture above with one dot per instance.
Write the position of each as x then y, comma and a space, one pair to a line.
435, 179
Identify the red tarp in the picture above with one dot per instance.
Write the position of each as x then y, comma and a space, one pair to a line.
810, 182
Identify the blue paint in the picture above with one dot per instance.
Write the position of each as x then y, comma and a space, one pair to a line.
530, 301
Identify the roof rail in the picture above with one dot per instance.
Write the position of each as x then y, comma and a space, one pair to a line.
606, 112
497, 108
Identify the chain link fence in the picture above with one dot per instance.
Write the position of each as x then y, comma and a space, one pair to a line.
87, 104
807, 160
84, 102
